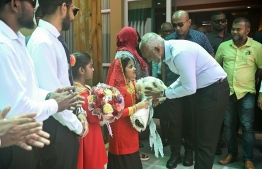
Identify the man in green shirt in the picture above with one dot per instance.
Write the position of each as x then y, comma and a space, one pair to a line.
240, 59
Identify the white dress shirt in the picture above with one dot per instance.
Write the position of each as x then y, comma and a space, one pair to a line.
196, 67
51, 66
18, 86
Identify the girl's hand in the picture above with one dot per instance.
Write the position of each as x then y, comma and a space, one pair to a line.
142, 104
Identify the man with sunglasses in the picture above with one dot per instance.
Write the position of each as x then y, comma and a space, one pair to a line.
52, 63
19, 87
180, 109
218, 34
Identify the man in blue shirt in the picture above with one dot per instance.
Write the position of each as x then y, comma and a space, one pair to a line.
180, 109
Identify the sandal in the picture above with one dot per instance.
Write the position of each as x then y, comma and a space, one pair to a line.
143, 157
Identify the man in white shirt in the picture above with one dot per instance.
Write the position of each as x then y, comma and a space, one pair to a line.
52, 71
19, 87
200, 76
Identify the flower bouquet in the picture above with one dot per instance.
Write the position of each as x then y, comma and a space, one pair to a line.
107, 103
144, 117
140, 119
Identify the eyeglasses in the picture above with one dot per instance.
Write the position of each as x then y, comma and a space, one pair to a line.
219, 20
75, 9
180, 24
32, 2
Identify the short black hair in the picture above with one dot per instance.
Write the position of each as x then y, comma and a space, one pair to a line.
216, 13
2, 4
49, 6
124, 61
242, 19
82, 59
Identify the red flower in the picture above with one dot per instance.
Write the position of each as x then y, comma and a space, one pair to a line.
72, 60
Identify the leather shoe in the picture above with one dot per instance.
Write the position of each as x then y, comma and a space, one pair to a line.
229, 158
249, 165
188, 159
173, 161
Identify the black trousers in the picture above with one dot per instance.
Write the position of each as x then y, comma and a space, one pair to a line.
209, 105
62, 153
14, 157
180, 125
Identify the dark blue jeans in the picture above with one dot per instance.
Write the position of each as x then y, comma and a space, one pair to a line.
244, 109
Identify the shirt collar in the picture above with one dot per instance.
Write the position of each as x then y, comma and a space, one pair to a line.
5, 29
188, 35
248, 43
49, 27
167, 51
215, 33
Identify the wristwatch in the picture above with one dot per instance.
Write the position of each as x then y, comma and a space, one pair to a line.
162, 93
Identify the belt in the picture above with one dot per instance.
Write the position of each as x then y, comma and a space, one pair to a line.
221, 80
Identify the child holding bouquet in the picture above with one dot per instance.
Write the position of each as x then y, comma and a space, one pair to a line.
124, 145
92, 153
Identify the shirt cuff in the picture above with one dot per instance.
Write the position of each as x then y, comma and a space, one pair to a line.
169, 93
53, 106
50, 107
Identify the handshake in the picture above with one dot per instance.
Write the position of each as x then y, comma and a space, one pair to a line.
24, 131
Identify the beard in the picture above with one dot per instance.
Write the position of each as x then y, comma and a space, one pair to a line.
220, 28
66, 23
24, 20
237, 38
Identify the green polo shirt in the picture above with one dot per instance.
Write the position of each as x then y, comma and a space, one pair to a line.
240, 64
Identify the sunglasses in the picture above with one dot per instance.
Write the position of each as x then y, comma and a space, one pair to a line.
75, 9
180, 24
219, 20
32, 2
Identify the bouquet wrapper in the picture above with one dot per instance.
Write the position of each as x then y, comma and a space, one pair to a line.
139, 119
107, 103
154, 138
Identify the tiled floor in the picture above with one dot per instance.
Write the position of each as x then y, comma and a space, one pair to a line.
160, 163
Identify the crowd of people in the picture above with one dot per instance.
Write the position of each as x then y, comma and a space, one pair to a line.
45, 122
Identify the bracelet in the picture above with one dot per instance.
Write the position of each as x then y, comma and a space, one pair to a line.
48, 96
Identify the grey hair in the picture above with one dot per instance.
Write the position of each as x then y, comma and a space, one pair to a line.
151, 40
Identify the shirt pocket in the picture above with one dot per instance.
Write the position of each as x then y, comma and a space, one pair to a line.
247, 58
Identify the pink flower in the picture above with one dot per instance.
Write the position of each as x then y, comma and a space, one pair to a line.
117, 107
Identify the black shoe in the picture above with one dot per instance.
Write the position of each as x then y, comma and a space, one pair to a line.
188, 159
173, 161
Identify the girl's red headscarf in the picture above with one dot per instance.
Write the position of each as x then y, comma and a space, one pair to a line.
115, 76
127, 40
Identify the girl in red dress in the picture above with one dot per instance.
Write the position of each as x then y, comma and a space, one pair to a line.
92, 152
123, 146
